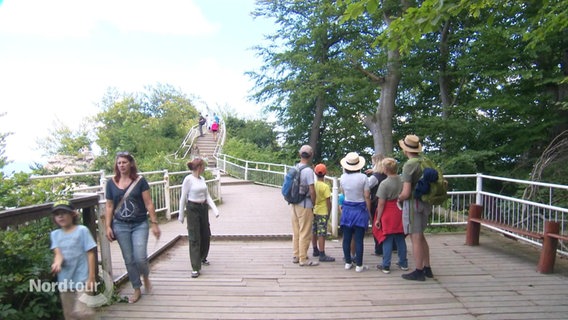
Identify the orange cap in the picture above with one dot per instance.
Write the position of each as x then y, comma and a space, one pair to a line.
320, 169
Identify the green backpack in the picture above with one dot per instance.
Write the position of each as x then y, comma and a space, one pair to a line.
432, 187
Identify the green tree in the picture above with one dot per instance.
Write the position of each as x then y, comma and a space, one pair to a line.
64, 141
308, 81
474, 85
150, 125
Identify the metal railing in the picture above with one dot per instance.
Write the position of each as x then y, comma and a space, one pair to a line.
165, 195
523, 204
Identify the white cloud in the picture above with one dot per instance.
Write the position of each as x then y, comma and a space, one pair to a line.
75, 18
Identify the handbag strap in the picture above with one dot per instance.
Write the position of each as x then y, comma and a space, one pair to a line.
127, 193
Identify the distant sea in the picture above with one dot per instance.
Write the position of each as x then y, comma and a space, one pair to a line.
16, 167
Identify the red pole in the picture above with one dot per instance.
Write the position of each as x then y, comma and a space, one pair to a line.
549, 246
473, 227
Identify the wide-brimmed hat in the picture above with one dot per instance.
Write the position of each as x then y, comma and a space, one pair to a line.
320, 169
62, 205
352, 162
411, 143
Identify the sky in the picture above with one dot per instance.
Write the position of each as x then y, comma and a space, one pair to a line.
59, 57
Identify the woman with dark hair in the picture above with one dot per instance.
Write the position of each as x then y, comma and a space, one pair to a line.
128, 204
195, 201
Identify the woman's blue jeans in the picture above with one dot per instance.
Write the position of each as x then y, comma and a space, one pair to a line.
132, 238
353, 232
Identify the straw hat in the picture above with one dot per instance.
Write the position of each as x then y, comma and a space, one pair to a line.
411, 143
352, 162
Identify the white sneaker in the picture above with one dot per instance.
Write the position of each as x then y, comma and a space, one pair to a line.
361, 268
348, 266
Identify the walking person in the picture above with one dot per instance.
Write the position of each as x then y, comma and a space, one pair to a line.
389, 218
202, 122
302, 213
356, 209
416, 210
74, 260
195, 201
128, 206
322, 208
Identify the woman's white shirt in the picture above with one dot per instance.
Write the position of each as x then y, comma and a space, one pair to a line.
195, 190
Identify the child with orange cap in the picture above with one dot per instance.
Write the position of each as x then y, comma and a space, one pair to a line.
322, 209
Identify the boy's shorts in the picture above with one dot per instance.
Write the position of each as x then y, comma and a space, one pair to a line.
319, 227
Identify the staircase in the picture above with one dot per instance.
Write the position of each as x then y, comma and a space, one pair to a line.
205, 147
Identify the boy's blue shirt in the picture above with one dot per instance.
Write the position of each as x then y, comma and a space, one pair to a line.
74, 247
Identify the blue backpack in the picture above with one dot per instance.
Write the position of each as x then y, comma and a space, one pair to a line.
291, 185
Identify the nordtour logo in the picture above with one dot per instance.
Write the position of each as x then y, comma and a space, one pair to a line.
91, 300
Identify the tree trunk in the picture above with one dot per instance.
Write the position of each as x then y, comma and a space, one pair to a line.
380, 123
316, 124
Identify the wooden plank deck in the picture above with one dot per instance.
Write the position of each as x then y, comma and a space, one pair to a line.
254, 278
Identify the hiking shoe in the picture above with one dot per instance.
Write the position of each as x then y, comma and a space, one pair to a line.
403, 268
386, 270
361, 268
309, 263
194, 274
348, 266
205, 262
316, 252
428, 272
326, 258
295, 260
414, 275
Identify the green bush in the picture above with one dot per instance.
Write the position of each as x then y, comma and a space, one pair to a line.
26, 257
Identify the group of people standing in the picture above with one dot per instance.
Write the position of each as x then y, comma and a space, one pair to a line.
211, 124
392, 210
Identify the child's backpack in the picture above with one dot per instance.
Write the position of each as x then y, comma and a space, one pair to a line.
432, 187
291, 185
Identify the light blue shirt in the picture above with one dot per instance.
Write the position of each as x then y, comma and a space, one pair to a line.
73, 247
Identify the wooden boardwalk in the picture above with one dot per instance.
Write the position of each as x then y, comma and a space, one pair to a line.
254, 278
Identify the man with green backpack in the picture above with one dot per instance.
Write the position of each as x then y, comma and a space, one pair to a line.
415, 209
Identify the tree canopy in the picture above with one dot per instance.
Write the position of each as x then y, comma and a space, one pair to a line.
482, 82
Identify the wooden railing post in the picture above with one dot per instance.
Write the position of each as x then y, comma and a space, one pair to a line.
473, 227
90, 221
549, 246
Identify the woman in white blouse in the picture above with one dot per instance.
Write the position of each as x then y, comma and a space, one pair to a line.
195, 202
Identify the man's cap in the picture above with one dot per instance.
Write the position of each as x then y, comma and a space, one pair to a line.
62, 205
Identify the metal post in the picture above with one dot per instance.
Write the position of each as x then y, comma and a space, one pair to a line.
478, 189
335, 207
167, 195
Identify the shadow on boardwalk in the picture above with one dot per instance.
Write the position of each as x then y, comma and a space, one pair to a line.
254, 278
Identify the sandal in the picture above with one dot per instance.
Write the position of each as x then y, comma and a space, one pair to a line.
326, 258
